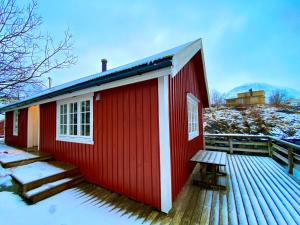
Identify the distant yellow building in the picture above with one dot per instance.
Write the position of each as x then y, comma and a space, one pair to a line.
247, 99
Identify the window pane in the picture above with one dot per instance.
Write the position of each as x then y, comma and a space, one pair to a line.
82, 118
87, 131
87, 105
82, 130
65, 119
75, 107
75, 129
65, 109
82, 106
87, 117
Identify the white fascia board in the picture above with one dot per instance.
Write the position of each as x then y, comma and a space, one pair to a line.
181, 58
118, 83
205, 77
164, 144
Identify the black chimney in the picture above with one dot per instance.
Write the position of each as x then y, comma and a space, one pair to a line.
104, 64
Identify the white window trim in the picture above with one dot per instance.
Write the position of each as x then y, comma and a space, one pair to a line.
15, 128
75, 138
194, 100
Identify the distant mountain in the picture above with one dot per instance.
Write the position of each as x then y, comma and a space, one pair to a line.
268, 88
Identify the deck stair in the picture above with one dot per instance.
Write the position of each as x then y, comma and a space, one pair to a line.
19, 158
40, 180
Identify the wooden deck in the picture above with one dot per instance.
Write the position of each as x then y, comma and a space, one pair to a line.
259, 192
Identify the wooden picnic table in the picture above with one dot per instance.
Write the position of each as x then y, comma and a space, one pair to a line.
212, 168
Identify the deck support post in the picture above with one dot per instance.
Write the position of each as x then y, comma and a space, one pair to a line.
230, 145
290, 158
270, 144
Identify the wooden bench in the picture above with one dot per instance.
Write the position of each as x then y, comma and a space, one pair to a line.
212, 168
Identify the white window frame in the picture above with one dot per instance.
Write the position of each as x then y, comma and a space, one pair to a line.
75, 138
15, 122
193, 116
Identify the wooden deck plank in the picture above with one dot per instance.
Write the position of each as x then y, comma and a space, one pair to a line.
214, 214
277, 169
289, 207
206, 208
249, 199
232, 216
196, 217
188, 212
266, 209
249, 195
223, 208
241, 212
258, 192
280, 212
281, 181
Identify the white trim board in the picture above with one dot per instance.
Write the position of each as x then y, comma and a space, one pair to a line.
181, 58
164, 144
118, 83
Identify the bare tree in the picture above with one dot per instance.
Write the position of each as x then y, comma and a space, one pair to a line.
278, 98
25, 53
216, 98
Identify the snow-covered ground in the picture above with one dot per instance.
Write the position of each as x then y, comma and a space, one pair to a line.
65, 208
279, 122
69, 207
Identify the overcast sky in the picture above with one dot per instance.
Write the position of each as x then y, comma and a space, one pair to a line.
244, 41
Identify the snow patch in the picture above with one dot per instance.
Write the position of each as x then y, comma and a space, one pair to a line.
266, 120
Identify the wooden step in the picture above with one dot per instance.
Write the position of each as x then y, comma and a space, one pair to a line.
39, 173
24, 159
52, 188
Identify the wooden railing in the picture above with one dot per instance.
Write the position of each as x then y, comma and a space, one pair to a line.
284, 151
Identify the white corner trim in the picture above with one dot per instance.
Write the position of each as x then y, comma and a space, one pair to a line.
184, 56
164, 144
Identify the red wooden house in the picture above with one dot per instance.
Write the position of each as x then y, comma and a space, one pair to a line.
131, 129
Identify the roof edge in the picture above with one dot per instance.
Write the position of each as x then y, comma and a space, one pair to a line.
95, 82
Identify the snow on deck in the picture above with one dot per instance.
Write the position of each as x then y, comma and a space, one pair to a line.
11, 154
259, 192
38, 170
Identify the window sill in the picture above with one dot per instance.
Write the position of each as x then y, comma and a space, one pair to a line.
73, 139
193, 135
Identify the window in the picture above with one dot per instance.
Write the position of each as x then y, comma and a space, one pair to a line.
85, 118
75, 120
15, 123
193, 118
63, 119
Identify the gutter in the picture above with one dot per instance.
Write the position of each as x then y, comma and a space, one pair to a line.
159, 64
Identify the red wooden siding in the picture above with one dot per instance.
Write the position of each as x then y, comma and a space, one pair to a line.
125, 154
186, 81
21, 139
1, 128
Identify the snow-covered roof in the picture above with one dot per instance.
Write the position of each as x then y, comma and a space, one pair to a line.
178, 56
